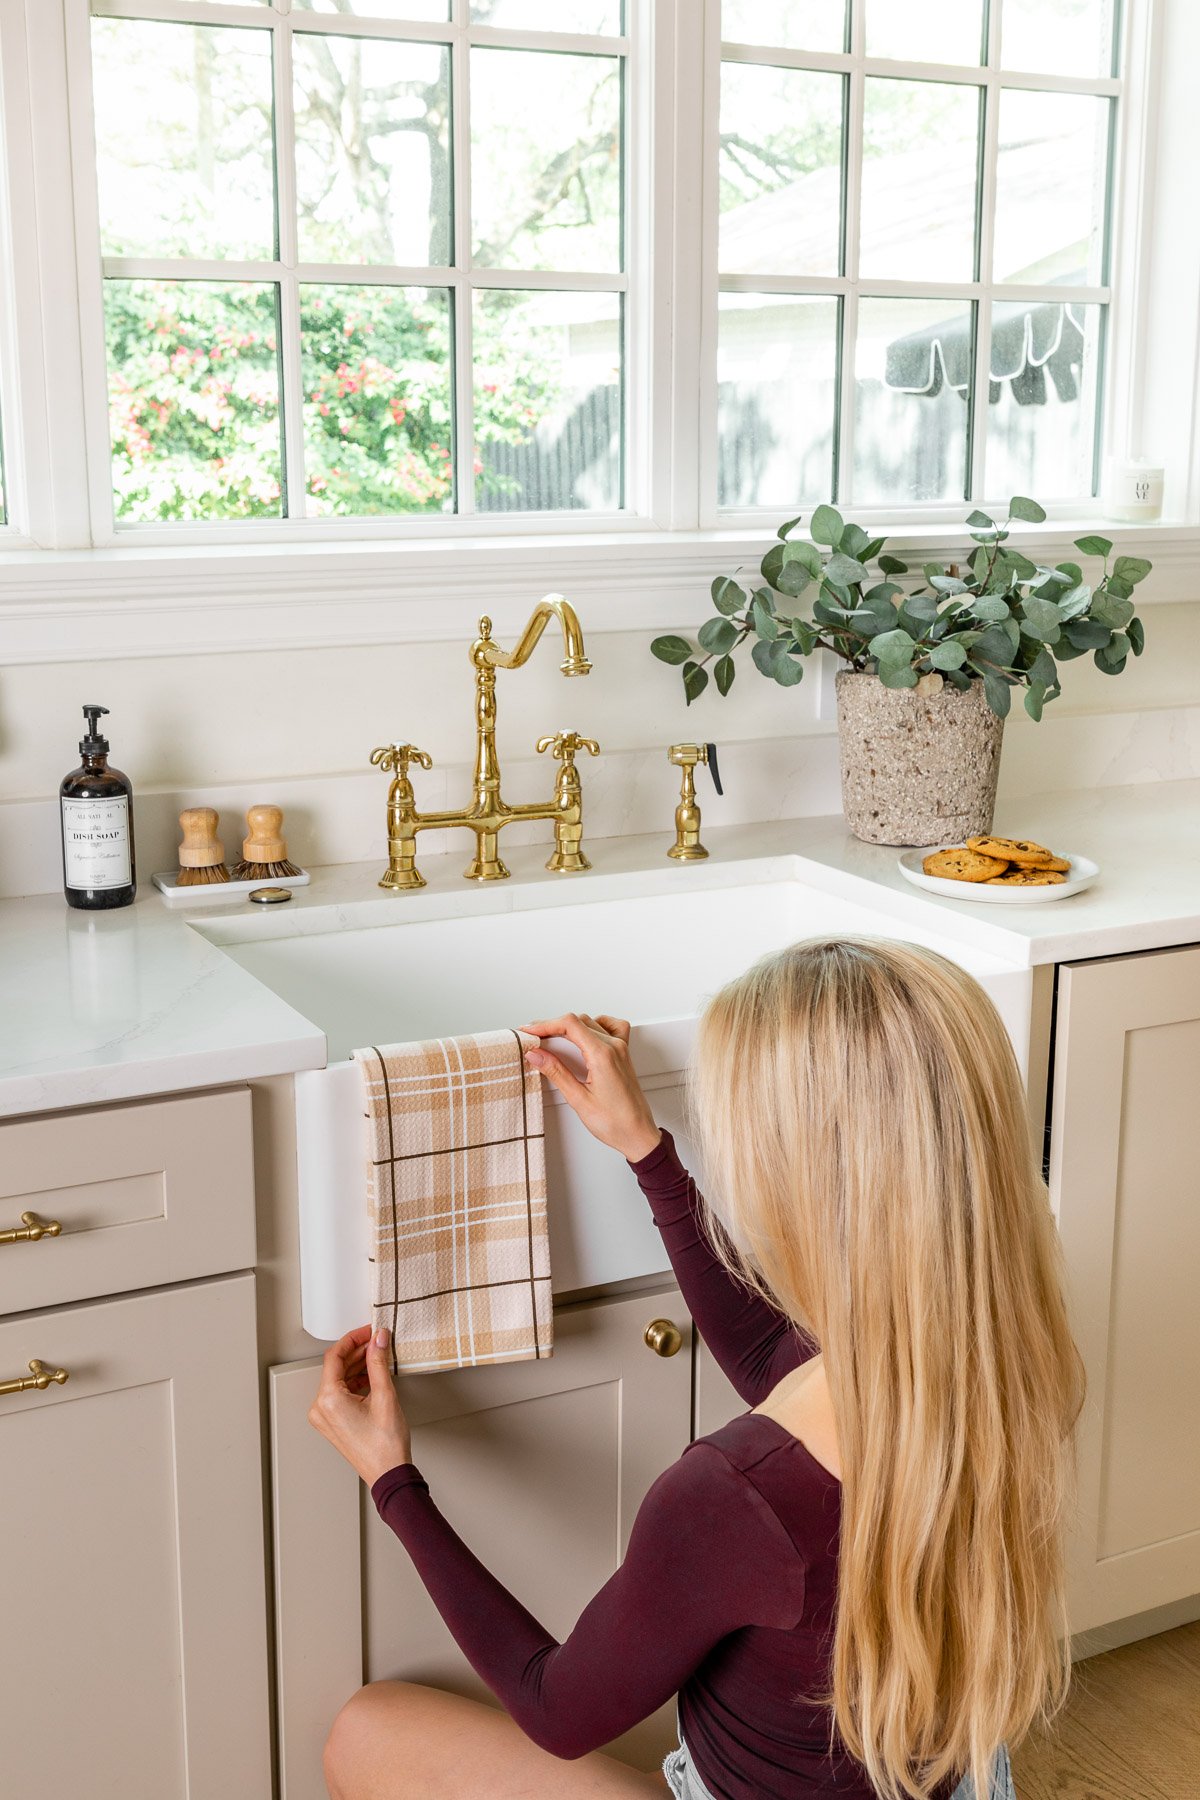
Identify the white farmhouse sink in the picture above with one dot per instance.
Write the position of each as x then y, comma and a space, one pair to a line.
650, 958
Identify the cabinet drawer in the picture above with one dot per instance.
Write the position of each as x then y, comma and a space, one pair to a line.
151, 1192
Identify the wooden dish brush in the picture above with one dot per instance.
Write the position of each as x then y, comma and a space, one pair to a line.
264, 853
201, 854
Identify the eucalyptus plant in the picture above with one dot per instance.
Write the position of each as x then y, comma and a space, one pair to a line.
1001, 618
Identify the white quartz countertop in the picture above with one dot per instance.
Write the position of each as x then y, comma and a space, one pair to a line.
106, 1006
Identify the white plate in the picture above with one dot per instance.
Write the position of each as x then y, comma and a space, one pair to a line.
1082, 874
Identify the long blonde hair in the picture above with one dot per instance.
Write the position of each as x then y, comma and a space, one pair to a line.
871, 1170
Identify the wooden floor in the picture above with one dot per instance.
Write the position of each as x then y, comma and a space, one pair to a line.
1130, 1730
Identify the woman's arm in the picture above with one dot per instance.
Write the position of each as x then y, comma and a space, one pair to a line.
707, 1556
754, 1344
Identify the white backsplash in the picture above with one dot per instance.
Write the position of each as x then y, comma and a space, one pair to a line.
340, 817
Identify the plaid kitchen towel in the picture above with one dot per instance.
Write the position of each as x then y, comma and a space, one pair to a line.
456, 1183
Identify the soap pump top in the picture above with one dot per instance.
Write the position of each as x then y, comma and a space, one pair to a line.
93, 742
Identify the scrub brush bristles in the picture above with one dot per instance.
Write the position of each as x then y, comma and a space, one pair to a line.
264, 871
264, 853
202, 877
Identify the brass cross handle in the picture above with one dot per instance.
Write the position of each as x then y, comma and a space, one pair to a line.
565, 744
395, 758
39, 1376
32, 1230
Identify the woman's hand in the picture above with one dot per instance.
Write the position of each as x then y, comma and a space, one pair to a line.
610, 1100
357, 1407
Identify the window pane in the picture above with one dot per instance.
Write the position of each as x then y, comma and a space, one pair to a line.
920, 166
949, 31
912, 376
183, 139
372, 150
193, 379
1059, 37
377, 399
781, 171
428, 11
792, 24
776, 398
1051, 180
546, 160
550, 15
548, 401
1044, 396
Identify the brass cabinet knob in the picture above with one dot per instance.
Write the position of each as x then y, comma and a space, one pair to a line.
32, 1230
663, 1336
40, 1376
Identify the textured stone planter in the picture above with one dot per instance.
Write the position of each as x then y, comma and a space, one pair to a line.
916, 768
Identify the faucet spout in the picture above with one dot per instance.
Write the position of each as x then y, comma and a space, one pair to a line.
575, 661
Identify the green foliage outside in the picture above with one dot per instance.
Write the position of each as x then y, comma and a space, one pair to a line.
1003, 619
194, 398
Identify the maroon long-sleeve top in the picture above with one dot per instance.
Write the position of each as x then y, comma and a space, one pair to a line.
726, 1594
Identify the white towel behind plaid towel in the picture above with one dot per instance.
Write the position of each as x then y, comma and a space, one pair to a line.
457, 1199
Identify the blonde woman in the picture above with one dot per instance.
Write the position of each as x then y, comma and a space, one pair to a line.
855, 1587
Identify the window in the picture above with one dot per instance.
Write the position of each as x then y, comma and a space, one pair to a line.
362, 257
912, 250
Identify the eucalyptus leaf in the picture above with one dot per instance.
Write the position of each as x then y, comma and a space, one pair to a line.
788, 525
1020, 507
892, 647
1108, 668
999, 693
949, 655
671, 649
981, 521
845, 570
1075, 601
1115, 651
853, 541
1093, 546
1136, 635
727, 596
786, 670
1131, 568
717, 635
1020, 564
1121, 590
804, 553
990, 608
891, 565
1043, 670
1109, 610
1086, 634
826, 526
1072, 571
695, 680
765, 623
947, 584
724, 670
1042, 619
921, 606
760, 656
793, 578
1035, 695
898, 675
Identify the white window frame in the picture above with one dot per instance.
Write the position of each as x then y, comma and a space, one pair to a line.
167, 590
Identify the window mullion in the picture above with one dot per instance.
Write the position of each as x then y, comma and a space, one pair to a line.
851, 201
981, 378
463, 297
291, 371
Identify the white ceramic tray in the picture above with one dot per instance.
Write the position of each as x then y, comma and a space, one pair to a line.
1082, 874
211, 891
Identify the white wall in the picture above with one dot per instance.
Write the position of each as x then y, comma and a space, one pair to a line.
298, 726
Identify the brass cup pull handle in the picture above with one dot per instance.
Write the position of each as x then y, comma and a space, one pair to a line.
32, 1230
40, 1376
664, 1337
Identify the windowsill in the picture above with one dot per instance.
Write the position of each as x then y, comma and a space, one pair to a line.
162, 599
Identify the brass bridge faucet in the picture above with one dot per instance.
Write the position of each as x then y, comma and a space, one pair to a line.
488, 813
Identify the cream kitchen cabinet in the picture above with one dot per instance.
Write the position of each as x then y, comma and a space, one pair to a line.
540, 1465
1125, 1182
133, 1654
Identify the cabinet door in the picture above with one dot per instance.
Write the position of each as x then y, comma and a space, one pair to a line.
540, 1465
133, 1658
1124, 1181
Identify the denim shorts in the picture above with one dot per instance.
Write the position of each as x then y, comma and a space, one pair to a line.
685, 1784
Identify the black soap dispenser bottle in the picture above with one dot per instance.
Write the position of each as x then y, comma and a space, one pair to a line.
97, 827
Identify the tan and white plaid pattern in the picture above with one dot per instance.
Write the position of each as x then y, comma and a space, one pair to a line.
457, 1198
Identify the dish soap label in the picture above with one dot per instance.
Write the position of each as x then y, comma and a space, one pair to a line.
96, 842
